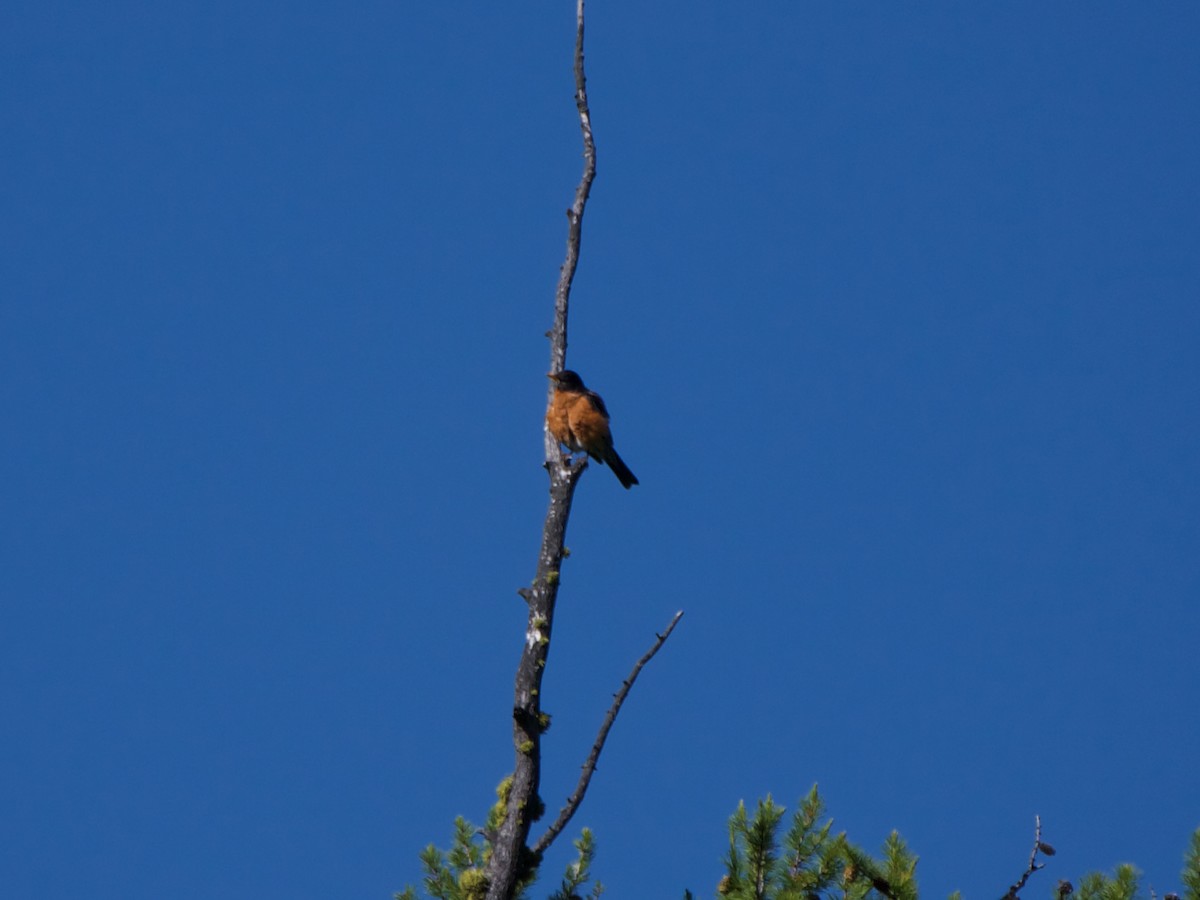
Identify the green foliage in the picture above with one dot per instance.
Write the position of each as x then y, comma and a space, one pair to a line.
1125, 881
459, 873
496, 814
809, 862
1191, 869
753, 851
900, 868
1121, 885
580, 872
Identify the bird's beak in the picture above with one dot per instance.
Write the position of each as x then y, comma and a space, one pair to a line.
553, 375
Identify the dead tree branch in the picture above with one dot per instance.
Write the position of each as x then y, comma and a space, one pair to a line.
511, 861
589, 766
566, 274
1034, 865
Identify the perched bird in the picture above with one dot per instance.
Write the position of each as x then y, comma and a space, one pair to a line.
578, 419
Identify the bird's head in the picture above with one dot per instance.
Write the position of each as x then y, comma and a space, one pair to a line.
566, 380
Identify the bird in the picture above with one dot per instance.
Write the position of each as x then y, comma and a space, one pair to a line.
578, 419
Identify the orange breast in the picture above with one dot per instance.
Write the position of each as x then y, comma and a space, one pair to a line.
576, 423
558, 419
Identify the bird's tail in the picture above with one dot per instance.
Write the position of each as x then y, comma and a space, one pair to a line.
627, 478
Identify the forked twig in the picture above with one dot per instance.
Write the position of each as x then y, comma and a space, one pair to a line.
1034, 865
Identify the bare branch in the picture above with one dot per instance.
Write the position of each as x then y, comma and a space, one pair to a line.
589, 766
511, 861
566, 274
1034, 865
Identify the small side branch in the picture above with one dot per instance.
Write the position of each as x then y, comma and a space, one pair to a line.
589, 767
1034, 865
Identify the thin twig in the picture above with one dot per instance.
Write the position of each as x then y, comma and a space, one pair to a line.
589, 766
1034, 865
566, 274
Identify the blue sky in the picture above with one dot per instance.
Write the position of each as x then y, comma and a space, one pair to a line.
896, 311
